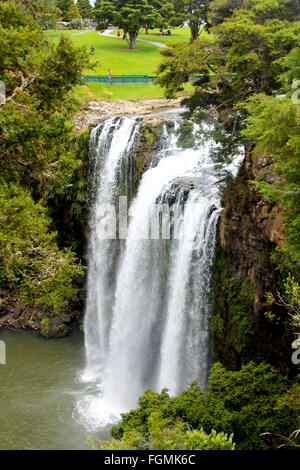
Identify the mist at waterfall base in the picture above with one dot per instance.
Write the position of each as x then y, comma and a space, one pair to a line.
148, 298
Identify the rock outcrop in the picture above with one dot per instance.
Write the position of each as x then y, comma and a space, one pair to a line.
16, 315
96, 111
245, 327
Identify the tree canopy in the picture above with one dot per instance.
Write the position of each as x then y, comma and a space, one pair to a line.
194, 12
242, 404
130, 15
243, 55
39, 160
85, 8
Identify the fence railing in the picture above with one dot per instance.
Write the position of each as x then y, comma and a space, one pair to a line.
124, 79
119, 79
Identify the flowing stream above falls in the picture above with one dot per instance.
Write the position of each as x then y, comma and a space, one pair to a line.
148, 290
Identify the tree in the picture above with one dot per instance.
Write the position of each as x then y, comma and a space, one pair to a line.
237, 60
64, 6
44, 12
85, 8
73, 12
166, 12
223, 9
130, 15
195, 12
39, 160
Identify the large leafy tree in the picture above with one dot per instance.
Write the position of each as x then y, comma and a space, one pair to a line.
194, 12
73, 12
64, 6
166, 12
85, 8
130, 15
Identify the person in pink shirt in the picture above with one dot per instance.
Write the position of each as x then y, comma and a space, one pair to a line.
109, 75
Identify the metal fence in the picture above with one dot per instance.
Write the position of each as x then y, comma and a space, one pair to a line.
124, 79
119, 79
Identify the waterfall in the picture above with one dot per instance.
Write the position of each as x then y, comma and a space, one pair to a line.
148, 304
111, 144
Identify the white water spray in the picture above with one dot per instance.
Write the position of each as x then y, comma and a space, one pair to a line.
148, 306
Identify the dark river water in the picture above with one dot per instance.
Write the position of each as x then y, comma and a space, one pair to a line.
39, 390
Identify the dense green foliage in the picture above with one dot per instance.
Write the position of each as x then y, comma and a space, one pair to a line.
244, 403
30, 256
194, 12
40, 161
85, 8
274, 123
73, 12
64, 6
44, 12
170, 434
243, 55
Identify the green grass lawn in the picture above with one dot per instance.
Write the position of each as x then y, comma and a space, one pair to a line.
114, 53
177, 35
54, 34
122, 92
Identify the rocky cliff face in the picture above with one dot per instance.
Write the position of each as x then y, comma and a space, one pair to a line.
245, 326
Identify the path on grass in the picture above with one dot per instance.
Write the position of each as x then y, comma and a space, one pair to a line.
107, 33
82, 32
74, 34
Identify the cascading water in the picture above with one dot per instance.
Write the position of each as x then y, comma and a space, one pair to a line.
111, 145
148, 305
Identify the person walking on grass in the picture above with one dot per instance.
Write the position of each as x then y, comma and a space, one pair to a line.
92, 50
109, 76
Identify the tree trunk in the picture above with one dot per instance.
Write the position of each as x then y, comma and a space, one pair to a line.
146, 30
132, 40
194, 27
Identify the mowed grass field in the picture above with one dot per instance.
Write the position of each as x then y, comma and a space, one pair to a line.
177, 35
113, 53
123, 92
54, 34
